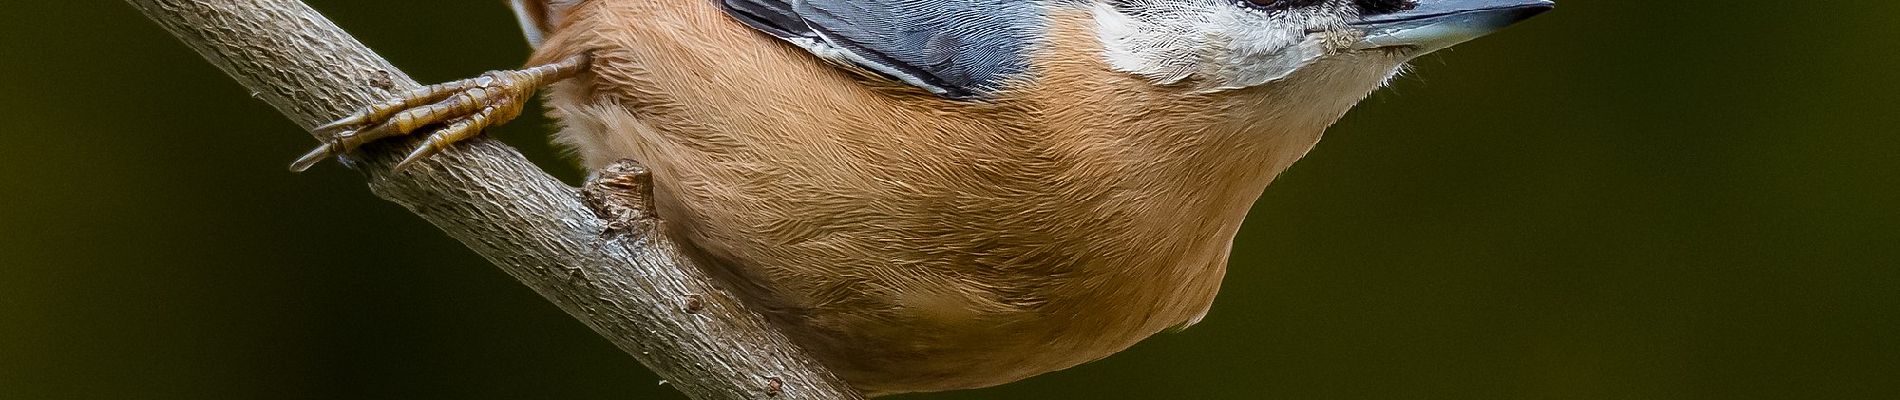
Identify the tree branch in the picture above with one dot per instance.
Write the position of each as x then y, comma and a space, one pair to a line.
629, 284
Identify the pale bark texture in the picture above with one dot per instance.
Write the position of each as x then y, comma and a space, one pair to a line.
630, 284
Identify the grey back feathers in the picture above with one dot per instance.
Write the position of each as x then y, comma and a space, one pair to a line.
955, 49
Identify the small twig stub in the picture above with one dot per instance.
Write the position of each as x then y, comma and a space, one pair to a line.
622, 195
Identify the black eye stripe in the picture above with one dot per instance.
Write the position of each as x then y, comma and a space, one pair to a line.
1366, 7
1376, 7
1266, 4
1274, 5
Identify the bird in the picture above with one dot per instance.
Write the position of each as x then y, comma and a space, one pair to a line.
932, 195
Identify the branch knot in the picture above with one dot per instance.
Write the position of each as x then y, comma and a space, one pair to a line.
622, 195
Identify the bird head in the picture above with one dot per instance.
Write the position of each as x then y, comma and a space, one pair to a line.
1216, 45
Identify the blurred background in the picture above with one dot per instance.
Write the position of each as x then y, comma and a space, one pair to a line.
1621, 199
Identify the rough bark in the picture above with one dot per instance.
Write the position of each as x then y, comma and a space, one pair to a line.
632, 286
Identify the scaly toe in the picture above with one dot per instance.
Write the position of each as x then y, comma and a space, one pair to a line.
467, 106
454, 132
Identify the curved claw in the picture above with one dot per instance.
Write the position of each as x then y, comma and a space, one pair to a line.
341, 124
315, 156
420, 153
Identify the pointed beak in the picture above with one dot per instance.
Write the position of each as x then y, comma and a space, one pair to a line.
1437, 24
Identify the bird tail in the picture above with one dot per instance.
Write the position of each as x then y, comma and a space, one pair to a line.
537, 17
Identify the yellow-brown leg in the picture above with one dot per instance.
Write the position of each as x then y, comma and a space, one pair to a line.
462, 109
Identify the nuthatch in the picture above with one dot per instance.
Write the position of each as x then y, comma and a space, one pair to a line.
947, 194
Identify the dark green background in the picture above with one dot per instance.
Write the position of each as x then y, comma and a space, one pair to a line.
1619, 200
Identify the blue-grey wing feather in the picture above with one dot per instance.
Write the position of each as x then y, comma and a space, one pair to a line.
957, 49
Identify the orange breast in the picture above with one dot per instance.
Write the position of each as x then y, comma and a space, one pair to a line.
913, 243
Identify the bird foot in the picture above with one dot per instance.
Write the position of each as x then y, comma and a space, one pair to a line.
460, 110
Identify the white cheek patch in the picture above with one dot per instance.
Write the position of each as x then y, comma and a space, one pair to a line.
1255, 56
1215, 44
1160, 51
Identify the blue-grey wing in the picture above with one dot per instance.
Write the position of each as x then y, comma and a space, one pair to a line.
954, 48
